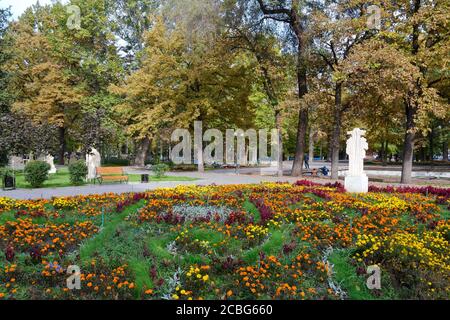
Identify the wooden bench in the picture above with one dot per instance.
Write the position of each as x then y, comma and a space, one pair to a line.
312, 173
113, 174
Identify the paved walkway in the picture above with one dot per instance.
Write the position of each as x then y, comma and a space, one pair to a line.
207, 178
218, 177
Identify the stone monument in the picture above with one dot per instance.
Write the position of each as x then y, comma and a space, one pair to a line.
16, 163
50, 160
356, 180
93, 161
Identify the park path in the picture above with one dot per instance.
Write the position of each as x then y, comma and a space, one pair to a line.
218, 177
206, 178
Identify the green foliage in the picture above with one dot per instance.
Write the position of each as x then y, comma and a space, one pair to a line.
215, 63
355, 285
78, 172
5, 95
251, 208
6, 172
160, 170
36, 173
103, 242
273, 246
116, 162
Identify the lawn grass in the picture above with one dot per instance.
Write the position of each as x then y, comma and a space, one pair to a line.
6, 216
251, 208
103, 242
62, 179
272, 246
59, 179
355, 285
445, 212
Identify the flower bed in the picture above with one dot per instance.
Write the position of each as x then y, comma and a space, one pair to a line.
268, 241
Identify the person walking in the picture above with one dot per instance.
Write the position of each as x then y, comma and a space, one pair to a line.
307, 161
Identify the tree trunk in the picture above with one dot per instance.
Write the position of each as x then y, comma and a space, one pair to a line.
62, 145
445, 151
330, 146
3, 158
408, 147
384, 153
431, 142
292, 17
297, 168
312, 134
335, 139
142, 148
278, 124
303, 116
423, 155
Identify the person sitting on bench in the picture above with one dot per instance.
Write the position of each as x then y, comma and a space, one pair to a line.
324, 171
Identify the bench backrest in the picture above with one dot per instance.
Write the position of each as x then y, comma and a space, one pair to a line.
109, 171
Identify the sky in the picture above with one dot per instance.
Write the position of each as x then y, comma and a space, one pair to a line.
19, 6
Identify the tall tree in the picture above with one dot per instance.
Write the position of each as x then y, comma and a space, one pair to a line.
179, 83
337, 28
64, 68
420, 29
151, 94
43, 91
264, 48
219, 86
5, 97
130, 19
385, 80
292, 15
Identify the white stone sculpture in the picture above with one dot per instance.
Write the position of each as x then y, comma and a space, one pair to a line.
93, 161
16, 163
50, 160
356, 180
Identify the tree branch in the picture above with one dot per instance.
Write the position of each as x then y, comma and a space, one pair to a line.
336, 61
327, 61
270, 11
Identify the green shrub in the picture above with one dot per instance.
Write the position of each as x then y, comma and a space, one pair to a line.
78, 172
36, 173
113, 162
185, 167
6, 172
160, 170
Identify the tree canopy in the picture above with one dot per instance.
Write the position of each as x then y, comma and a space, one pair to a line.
135, 70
